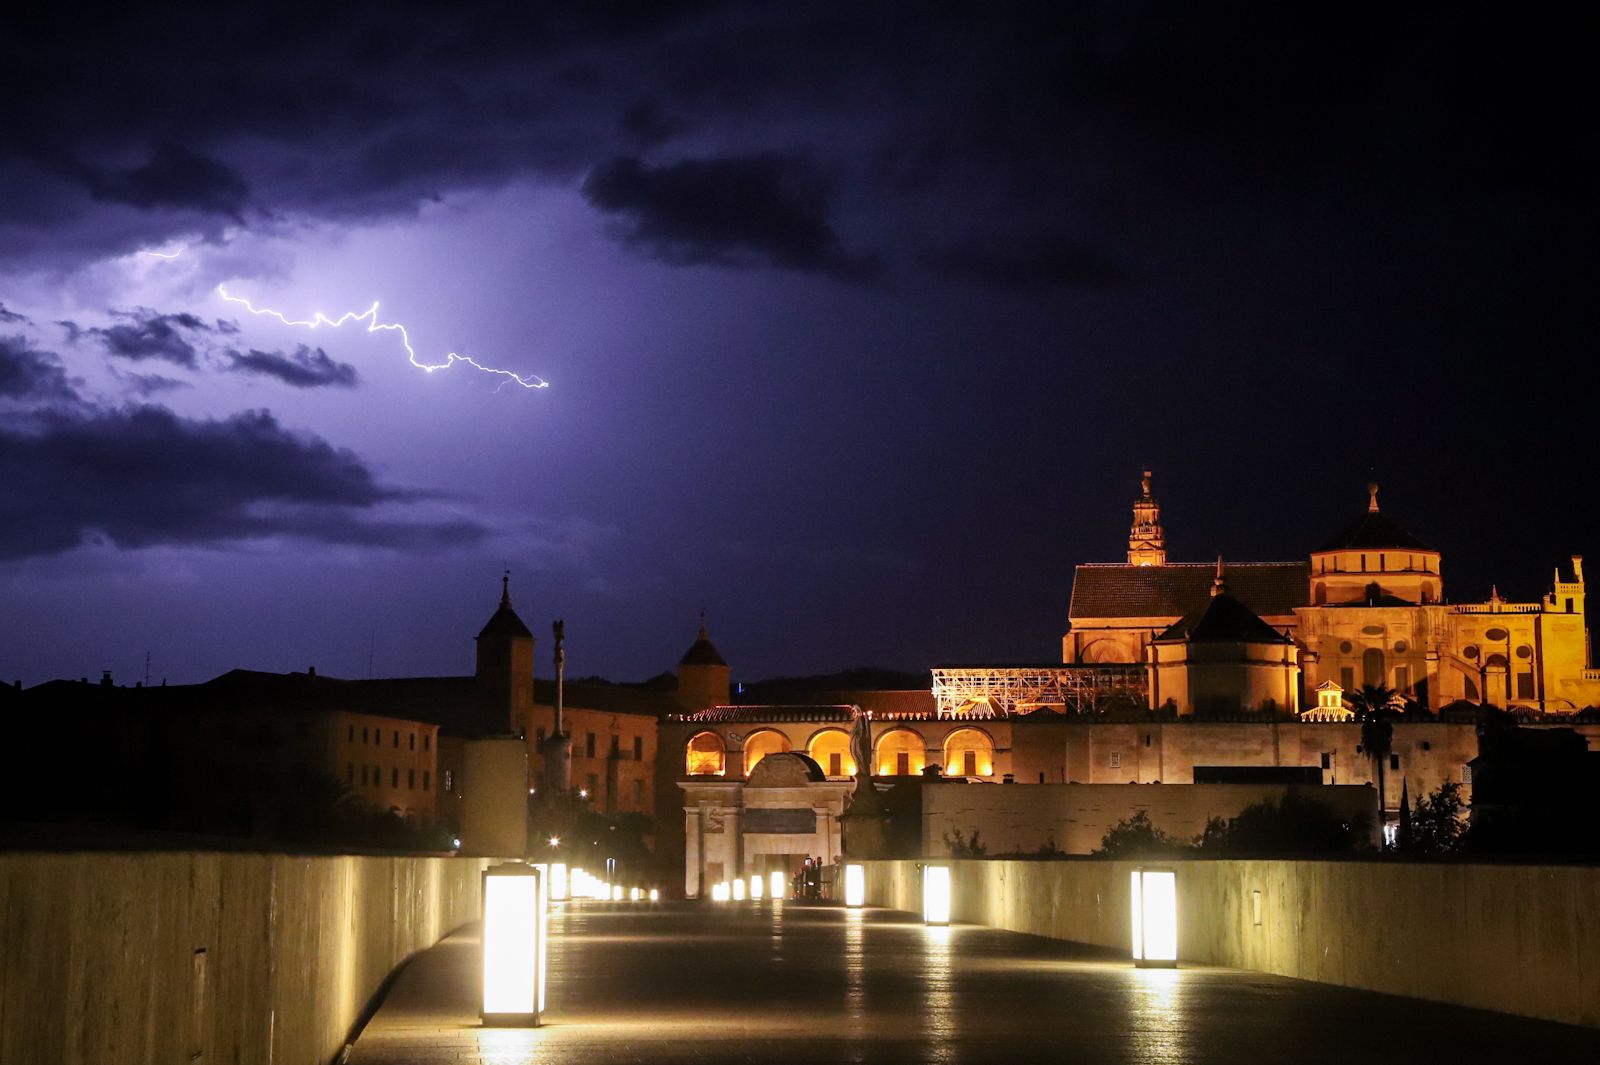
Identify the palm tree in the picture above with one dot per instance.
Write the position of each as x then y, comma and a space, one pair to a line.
1374, 708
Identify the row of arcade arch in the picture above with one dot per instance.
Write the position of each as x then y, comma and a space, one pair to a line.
898, 752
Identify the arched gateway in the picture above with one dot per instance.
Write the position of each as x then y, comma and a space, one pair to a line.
786, 811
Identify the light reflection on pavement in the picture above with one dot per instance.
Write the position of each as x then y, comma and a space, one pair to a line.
775, 983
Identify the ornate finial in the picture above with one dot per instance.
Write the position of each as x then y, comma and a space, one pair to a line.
1372, 497
1144, 483
559, 627
1220, 585
505, 589
702, 623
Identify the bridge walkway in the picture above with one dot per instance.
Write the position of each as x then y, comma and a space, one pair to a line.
779, 983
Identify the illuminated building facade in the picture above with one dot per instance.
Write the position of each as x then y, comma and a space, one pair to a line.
1175, 672
1367, 607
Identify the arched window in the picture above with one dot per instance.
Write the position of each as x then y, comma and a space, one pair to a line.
1320, 596
968, 752
704, 755
1372, 671
899, 753
1107, 650
830, 748
758, 745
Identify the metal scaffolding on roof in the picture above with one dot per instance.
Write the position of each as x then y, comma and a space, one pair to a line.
1003, 690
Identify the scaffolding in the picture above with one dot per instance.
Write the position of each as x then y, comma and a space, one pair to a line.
1004, 690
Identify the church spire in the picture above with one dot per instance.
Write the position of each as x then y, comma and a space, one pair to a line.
1219, 586
1147, 543
1372, 497
505, 589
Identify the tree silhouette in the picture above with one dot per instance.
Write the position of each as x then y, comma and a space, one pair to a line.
1374, 706
1436, 823
1138, 837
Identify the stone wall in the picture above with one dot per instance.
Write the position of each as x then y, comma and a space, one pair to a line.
1075, 817
209, 957
1519, 939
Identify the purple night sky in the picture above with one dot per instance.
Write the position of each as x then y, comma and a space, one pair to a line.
857, 329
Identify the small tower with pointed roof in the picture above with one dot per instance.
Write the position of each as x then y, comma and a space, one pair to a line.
505, 660
1147, 543
702, 674
1222, 658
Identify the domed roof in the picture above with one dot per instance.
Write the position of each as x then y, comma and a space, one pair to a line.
788, 769
1374, 531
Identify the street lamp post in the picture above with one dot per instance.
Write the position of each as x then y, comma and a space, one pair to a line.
514, 933
1153, 902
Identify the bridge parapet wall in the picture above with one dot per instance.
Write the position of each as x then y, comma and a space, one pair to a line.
210, 957
1521, 939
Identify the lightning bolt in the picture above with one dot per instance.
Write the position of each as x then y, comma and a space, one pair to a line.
370, 316
167, 255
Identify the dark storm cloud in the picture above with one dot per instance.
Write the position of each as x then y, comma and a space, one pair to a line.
9, 317
302, 368
149, 335
27, 373
121, 132
767, 209
647, 122
147, 384
1026, 262
143, 476
174, 176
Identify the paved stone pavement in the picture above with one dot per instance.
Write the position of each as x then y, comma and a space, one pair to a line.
789, 982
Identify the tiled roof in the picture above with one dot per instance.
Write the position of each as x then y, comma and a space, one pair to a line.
1223, 619
1270, 589
751, 715
920, 701
1374, 530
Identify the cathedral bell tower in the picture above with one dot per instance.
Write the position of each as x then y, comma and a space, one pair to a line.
1147, 543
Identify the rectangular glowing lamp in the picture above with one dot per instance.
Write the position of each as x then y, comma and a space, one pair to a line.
936, 894
558, 881
1153, 903
719, 891
738, 891
855, 885
655, 895
514, 906
755, 886
775, 883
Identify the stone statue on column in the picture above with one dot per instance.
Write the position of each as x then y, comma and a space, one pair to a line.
558, 746
865, 823
861, 743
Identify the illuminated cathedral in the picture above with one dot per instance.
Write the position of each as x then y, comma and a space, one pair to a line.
1172, 673
1368, 607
